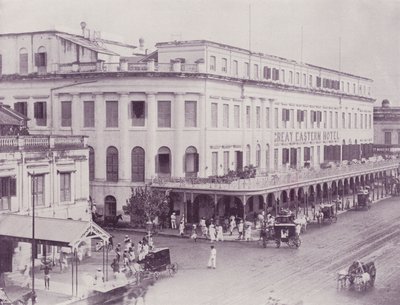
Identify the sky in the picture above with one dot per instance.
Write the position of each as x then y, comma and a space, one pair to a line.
361, 37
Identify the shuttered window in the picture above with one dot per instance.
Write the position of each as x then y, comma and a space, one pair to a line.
190, 114
88, 114
40, 113
21, 107
248, 116
258, 117
111, 114
23, 63
267, 73
65, 187
226, 115
38, 190
164, 114
65, 113
236, 114
112, 164
138, 164
138, 113
267, 120
214, 115
91, 164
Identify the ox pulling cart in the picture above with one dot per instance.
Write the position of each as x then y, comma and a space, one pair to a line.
359, 276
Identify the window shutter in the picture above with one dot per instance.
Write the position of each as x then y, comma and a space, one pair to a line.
44, 108
13, 187
37, 59
44, 59
196, 162
302, 116
36, 110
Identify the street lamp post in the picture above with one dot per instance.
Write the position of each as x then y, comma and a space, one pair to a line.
33, 239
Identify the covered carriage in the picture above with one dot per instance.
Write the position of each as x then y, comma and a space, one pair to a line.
283, 230
157, 261
327, 212
363, 200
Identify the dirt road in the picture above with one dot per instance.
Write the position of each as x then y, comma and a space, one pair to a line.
248, 274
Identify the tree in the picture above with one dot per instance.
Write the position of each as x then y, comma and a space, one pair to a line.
145, 204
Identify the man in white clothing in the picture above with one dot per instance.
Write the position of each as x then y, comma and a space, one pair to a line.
212, 261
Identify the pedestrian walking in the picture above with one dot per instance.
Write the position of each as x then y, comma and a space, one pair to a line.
247, 233
194, 233
98, 277
212, 232
118, 252
212, 261
232, 225
240, 229
173, 221
220, 233
347, 203
131, 255
115, 267
203, 226
181, 228
46, 269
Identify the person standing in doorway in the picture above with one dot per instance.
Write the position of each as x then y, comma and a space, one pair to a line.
212, 261
173, 221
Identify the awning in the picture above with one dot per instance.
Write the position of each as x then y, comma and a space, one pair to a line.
51, 231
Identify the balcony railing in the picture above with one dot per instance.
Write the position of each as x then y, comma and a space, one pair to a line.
276, 179
40, 142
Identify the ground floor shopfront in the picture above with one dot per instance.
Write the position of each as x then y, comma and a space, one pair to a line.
215, 201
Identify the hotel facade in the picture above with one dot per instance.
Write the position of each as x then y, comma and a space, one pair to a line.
192, 110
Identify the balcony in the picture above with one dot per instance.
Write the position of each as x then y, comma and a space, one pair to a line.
276, 180
41, 142
151, 66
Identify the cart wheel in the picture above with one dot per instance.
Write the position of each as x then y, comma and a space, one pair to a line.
278, 243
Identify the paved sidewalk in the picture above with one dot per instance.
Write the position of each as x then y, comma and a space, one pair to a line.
255, 234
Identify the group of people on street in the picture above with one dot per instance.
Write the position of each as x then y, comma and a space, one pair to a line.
127, 257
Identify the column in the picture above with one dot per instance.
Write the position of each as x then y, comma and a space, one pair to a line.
100, 149
76, 114
263, 160
151, 149
124, 155
31, 114
202, 149
179, 121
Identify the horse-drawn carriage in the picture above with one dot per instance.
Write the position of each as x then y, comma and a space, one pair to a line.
363, 200
283, 230
156, 261
358, 276
327, 212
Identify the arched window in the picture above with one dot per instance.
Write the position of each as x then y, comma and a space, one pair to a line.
248, 156
41, 59
138, 163
258, 155
191, 162
91, 163
23, 61
112, 164
164, 161
110, 206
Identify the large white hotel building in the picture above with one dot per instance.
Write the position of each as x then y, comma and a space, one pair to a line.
191, 109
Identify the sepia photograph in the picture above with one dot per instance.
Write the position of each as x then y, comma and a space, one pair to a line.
199, 152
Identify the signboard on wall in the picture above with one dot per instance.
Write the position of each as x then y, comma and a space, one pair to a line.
305, 137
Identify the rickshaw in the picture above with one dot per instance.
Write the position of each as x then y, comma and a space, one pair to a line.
327, 212
156, 261
363, 200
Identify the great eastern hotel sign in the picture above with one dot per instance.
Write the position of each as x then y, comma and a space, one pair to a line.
305, 137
